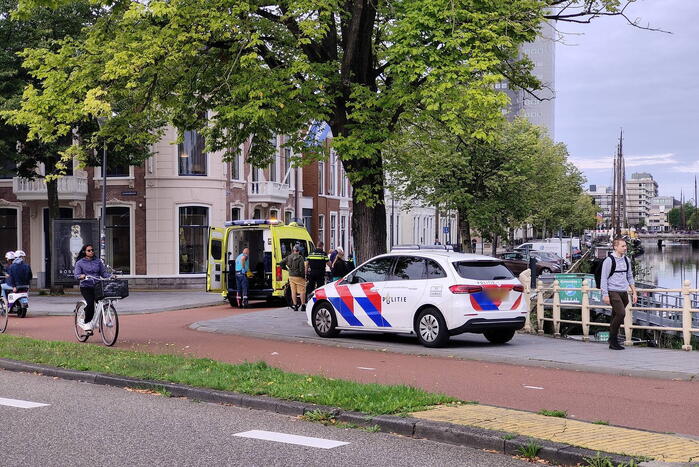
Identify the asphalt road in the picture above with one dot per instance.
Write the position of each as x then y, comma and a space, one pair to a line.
86, 424
654, 404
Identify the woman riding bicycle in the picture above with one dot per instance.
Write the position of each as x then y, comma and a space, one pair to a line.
88, 265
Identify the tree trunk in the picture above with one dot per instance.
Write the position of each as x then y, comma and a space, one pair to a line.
54, 213
494, 245
436, 223
465, 231
368, 229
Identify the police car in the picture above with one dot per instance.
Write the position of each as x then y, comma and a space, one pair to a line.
432, 294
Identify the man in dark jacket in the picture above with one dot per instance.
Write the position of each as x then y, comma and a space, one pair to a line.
317, 262
296, 265
20, 273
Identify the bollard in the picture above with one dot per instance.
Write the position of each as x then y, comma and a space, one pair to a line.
628, 323
585, 312
556, 310
686, 316
540, 307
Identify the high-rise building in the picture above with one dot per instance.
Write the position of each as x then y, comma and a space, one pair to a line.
640, 189
602, 197
539, 108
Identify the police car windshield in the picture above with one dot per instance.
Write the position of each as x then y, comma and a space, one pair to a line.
482, 270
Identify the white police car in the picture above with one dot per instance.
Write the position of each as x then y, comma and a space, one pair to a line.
433, 294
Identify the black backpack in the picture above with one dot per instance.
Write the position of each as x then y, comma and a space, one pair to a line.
597, 268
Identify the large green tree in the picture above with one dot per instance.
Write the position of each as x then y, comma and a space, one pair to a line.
263, 67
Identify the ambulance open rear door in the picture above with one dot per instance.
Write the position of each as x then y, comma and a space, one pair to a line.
216, 271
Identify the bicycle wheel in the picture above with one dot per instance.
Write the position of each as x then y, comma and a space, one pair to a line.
79, 316
3, 316
109, 325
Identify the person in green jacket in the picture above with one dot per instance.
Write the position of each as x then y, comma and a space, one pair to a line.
296, 265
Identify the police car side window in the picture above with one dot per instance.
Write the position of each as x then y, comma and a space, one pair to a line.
409, 268
434, 270
373, 271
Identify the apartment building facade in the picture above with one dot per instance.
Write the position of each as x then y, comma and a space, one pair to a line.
602, 197
660, 206
158, 215
640, 189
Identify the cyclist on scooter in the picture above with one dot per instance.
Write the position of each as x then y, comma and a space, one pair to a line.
20, 273
89, 265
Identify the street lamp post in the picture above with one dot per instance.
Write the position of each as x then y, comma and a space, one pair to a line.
103, 217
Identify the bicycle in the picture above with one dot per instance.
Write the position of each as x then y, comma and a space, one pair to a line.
4, 315
105, 317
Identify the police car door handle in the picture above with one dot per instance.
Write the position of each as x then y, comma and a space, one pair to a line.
373, 289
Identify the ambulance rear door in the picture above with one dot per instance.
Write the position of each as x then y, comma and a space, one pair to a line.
216, 270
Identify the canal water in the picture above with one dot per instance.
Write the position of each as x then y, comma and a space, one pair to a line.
670, 265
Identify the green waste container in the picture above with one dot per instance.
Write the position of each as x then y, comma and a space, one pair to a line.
575, 280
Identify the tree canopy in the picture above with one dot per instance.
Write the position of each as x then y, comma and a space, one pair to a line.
260, 67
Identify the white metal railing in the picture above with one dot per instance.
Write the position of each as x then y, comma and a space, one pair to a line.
681, 314
269, 190
68, 187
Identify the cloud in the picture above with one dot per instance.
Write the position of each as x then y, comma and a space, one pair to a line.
604, 163
687, 168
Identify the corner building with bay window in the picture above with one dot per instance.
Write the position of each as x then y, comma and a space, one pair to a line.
159, 214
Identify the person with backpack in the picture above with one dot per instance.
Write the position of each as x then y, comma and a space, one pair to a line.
616, 279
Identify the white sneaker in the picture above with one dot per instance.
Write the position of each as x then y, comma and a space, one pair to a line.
85, 326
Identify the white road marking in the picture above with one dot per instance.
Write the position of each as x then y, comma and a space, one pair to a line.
533, 387
365, 368
21, 404
291, 439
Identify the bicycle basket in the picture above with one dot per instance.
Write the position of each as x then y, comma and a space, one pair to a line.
113, 288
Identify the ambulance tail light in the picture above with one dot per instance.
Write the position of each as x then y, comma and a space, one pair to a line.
518, 288
465, 289
279, 274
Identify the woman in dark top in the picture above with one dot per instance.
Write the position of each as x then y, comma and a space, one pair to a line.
339, 265
89, 265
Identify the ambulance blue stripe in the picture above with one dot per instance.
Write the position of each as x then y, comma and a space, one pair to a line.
344, 311
372, 312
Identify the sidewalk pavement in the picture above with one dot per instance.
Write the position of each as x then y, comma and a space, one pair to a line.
135, 303
524, 349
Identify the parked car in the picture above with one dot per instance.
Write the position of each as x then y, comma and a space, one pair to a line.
549, 257
518, 262
428, 293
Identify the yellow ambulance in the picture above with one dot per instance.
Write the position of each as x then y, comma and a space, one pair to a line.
269, 241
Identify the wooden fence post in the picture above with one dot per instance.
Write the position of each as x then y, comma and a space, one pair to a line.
540, 307
556, 310
686, 316
585, 311
628, 322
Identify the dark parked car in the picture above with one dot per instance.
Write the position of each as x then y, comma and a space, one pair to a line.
549, 257
517, 262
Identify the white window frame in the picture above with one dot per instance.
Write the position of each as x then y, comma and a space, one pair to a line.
321, 228
241, 167
177, 237
333, 230
98, 174
332, 188
274, 164
343, 232
321, 177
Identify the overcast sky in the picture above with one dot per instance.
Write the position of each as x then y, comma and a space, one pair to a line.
616, 76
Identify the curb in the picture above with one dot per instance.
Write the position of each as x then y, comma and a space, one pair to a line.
461, 435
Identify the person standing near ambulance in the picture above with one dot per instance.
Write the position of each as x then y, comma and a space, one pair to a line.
242, 266
616, 279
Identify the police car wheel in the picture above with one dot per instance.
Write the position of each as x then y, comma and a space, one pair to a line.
431, 329
499, 336
324, 320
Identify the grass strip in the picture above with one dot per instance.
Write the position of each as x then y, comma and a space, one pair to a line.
248, 378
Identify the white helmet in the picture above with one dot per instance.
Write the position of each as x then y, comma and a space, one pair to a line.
10, 255
19, 254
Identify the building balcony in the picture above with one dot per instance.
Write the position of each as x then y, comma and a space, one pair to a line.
69, 188
268, 192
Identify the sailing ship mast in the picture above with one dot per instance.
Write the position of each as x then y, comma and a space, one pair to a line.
619, 219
